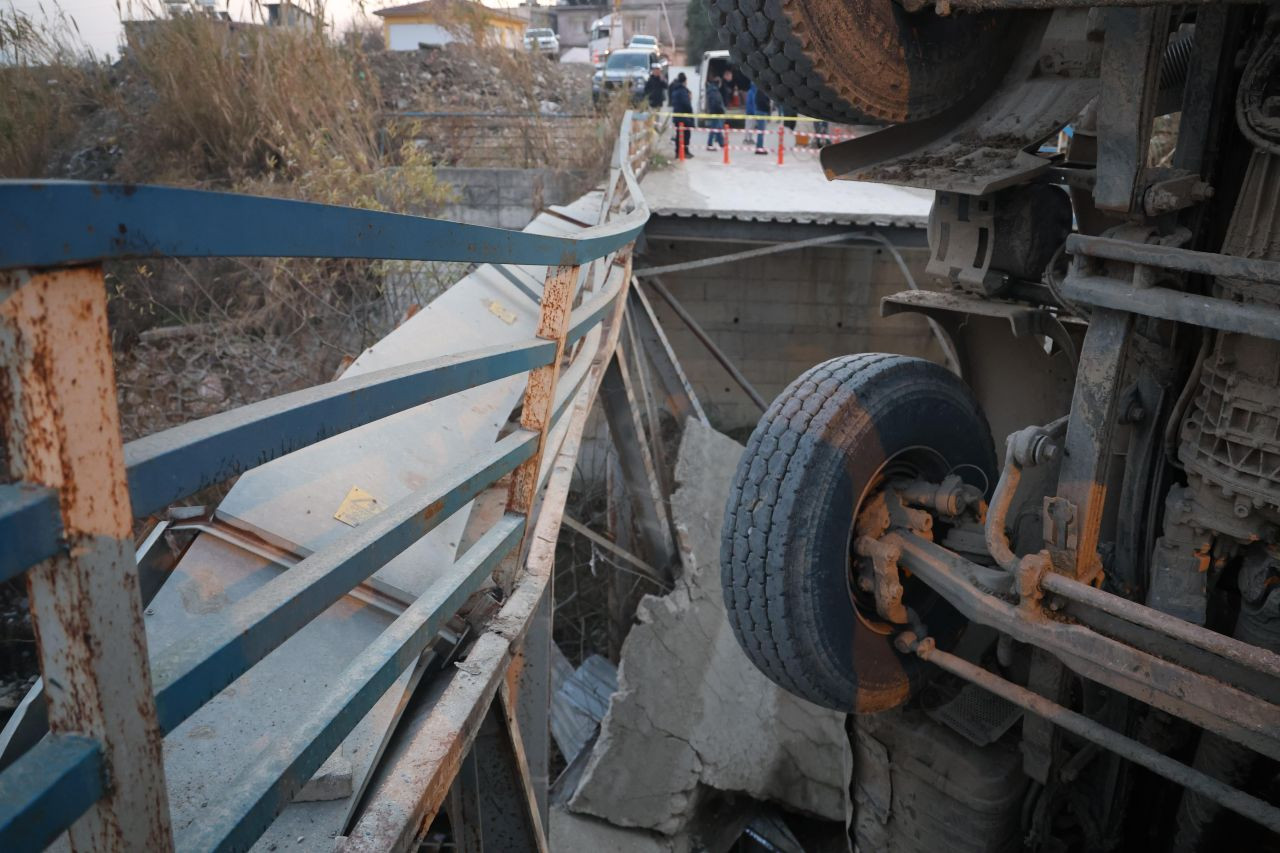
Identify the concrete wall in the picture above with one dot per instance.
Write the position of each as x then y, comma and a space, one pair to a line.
507, 198
778, 315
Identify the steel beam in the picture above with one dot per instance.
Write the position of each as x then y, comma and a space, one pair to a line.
509, 813
62, 430
192, 671
701, 335
630, 348
1257, 270
435, 752
466, 818
1135, 41
30, 527
526, 700
167, 466
620, 410
293, 757
47, 788
58, 223
679, 397
1085, 477
588, 314
1165, 303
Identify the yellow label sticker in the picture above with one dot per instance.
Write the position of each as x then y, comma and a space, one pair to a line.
500, 311
357, 507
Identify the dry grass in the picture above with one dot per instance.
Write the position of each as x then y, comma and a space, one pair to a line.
234, 103
269, 111
48, 81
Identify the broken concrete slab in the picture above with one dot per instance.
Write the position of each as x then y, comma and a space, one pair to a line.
571, 831
691, 712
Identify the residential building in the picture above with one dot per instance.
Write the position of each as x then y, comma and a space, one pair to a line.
437, 22
663, 19
288, 14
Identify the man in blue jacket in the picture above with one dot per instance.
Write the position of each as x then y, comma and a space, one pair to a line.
758, 104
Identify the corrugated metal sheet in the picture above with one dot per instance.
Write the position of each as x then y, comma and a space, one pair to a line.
580, 703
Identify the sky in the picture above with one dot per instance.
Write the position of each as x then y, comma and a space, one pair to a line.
99, 20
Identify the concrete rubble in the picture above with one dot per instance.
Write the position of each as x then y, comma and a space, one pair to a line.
691, 713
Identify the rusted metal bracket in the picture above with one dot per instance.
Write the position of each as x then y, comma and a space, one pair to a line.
947, 307
885, 583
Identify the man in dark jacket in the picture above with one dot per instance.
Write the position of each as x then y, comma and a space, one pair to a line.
733, 98
715, 106
681, 102
655, 88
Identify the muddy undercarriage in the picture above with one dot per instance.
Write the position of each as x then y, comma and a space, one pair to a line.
1098, 610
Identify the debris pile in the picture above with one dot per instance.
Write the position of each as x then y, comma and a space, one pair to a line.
464, 78
692, 717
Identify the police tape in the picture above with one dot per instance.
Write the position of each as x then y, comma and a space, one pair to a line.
742, 117
771, 141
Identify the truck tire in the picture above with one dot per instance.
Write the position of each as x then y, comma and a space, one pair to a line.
862, 61
829, 438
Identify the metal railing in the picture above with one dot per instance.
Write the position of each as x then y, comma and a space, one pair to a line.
66, 515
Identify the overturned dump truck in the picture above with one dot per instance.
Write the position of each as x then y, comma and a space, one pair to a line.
1065, 637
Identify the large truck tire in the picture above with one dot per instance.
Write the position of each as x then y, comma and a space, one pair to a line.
824, 445
862, 61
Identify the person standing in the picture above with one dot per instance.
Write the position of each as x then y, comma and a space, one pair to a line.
715, 106
655, 88
682, 102
761, 106
732, 98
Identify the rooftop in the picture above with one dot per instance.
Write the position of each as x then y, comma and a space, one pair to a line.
430, 7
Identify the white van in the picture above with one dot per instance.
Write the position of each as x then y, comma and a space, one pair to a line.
714, 64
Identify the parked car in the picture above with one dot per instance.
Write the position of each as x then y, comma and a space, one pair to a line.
542, 40
646, 43
627, 69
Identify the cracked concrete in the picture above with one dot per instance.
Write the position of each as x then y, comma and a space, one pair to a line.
691, 712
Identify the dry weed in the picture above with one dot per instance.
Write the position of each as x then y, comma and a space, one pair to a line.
234, 102
48, 81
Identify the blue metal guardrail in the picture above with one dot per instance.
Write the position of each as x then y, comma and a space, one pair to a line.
48, 224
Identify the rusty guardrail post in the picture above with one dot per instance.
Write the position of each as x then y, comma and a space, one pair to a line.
58, 414
539, 397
